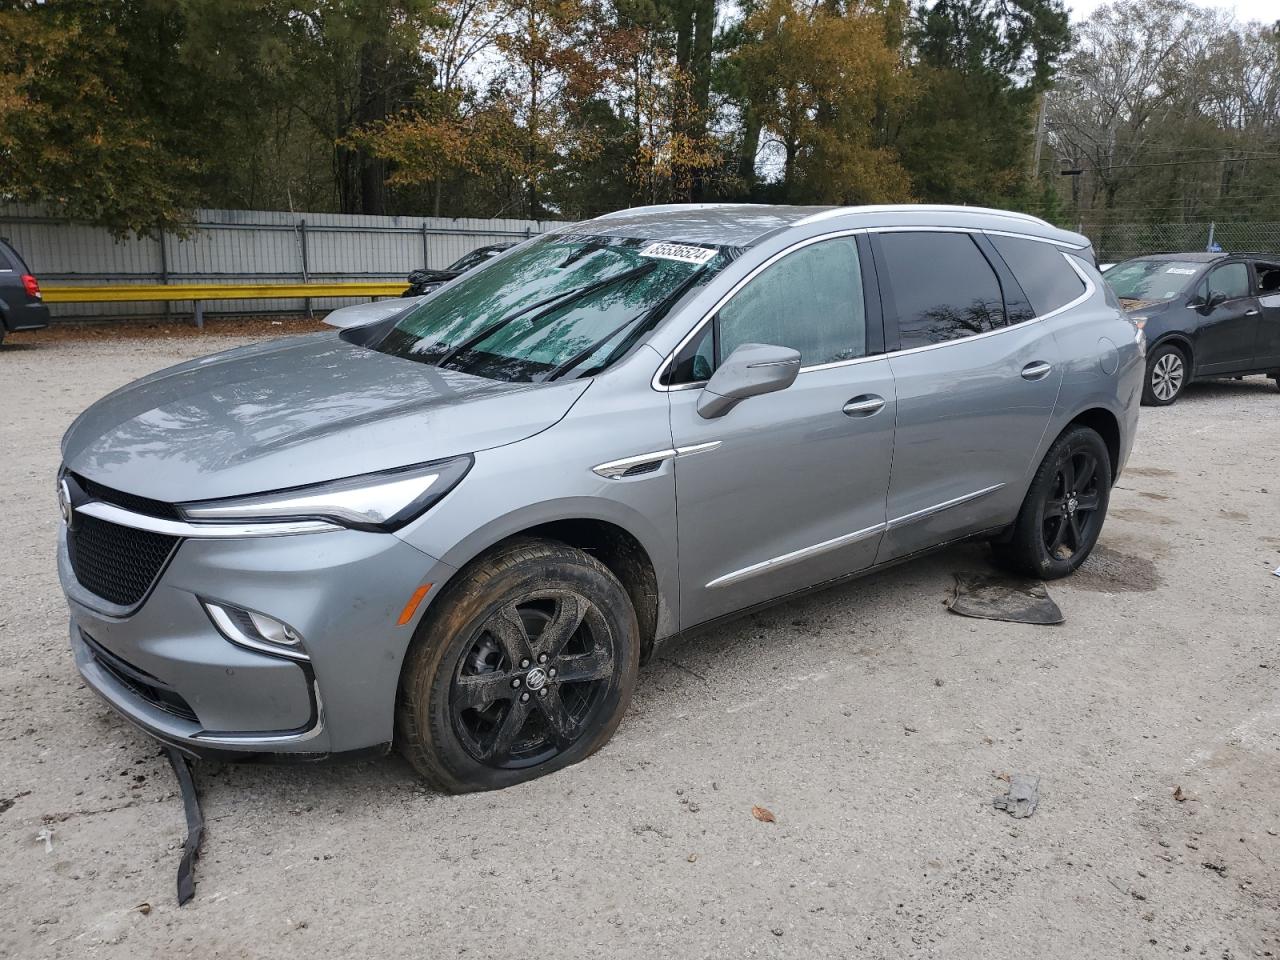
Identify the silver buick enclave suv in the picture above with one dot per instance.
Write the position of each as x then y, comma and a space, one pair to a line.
463, 527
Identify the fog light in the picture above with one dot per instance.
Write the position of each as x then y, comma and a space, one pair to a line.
256, 631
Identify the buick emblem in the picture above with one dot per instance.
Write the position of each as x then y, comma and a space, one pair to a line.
64, 502
536, 679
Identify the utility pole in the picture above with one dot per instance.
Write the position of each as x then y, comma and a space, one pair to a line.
1040, 125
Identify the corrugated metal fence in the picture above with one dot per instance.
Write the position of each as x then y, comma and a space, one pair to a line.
244, 246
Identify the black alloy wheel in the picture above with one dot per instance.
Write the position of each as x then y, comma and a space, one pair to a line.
1064, 508
1071, 516
527, 687
524, 665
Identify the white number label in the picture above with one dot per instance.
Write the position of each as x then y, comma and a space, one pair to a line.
685, 253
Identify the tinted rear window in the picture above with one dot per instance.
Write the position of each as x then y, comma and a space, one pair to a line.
9, 259
943, 287
1042, 271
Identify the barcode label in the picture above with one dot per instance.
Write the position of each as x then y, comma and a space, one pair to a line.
685, 253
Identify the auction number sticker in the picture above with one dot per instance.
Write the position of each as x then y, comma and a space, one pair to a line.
1182, 271
685, 253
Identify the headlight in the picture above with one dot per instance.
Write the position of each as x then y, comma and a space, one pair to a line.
1140, 334
374, 501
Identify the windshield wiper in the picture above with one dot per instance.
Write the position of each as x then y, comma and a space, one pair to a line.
657, 309
545, 307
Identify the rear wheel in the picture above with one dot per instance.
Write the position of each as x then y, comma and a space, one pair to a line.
1063, 511
525, 666
1167, 375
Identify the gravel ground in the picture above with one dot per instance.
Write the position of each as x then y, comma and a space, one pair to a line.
874, 724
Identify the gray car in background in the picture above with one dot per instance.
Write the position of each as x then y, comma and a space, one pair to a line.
464, 527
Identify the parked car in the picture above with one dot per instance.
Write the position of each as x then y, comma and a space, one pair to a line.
464, 527
20, 304
424, 281
1204, 315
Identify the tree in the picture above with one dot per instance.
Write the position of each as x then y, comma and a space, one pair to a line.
81, 127
982, 67
1172, 112
814, 77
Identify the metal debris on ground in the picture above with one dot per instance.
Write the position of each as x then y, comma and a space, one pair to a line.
990, 596
195, 824
1023, 795
46, 834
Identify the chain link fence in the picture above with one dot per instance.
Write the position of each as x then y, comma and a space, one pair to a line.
1120, 241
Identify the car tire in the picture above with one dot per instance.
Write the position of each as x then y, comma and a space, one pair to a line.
485, 698
1064, 509
1168, 371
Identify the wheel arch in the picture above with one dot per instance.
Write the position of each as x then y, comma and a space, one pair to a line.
1104, 423
1182, 342
633, 552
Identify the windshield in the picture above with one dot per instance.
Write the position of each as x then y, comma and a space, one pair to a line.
1151, 279
562, 306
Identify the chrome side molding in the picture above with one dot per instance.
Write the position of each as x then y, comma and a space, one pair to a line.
796, 556
939, 507
804, 553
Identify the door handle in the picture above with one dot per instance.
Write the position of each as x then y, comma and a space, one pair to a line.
1251, 312
1036, 371
864, 406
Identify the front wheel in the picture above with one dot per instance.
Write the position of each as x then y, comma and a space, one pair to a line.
1167, 374
1063, 511
524, 666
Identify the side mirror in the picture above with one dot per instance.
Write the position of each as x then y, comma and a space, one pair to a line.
1216, 300
752, 369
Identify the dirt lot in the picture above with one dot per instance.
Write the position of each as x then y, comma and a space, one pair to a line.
872, 722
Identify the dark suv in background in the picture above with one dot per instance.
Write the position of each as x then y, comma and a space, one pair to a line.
1204, 314
20, 306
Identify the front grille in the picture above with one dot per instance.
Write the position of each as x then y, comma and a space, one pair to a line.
139, 682
115, 562
126, 501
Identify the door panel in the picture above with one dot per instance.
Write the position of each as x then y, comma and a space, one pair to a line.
1266, 349
969, 424
975, 394
792, 495
1228, 332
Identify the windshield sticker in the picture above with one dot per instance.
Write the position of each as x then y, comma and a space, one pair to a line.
1182, 271
683, 252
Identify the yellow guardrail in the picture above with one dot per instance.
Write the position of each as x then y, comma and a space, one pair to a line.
126, 292
199, 292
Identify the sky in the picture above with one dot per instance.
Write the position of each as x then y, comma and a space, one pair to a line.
1265, 10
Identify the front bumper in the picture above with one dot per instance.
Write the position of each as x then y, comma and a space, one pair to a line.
167, 669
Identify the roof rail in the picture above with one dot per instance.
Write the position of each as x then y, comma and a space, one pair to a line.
664, 207
922, 208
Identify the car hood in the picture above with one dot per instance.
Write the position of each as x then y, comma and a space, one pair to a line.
293, 412
1130, 304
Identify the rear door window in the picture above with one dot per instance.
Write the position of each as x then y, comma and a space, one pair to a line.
942, 287
1042, 271
9, 259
